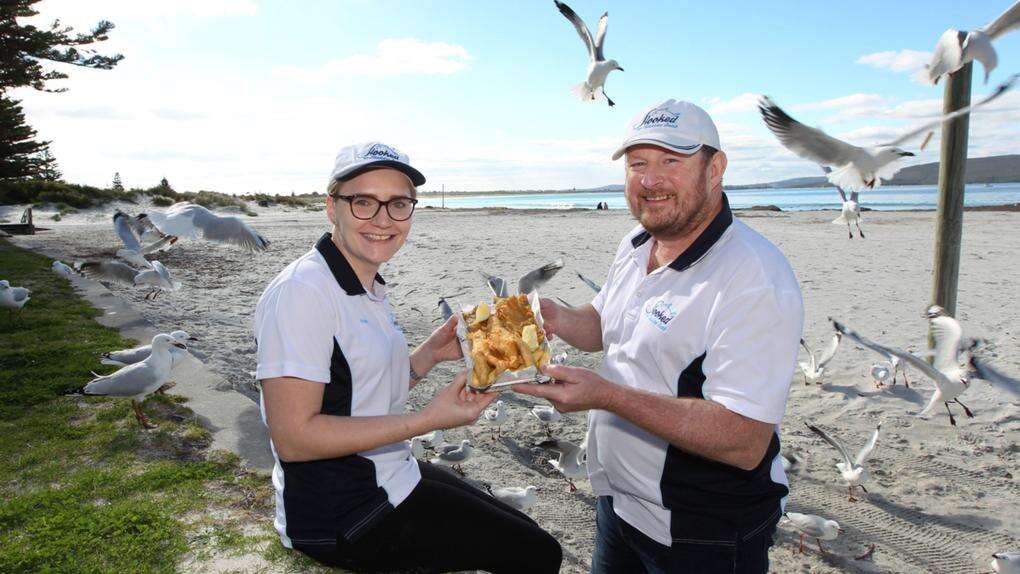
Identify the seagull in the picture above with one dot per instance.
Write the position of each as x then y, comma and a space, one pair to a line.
138, 354
432, 439
188, 220
133, 252
496, 415
594, 286
454, 456
157, 277
852, 471
497, 285
572, 462
444, 309
814, 370
1006, 562
789, 462
139, 380
854, 167
949, 369
546, 415
13, 298
849, 213
598, 66
534, 279
61, 268
881, 372
814, 526
955, 48
985, 371
417, 448
517, 497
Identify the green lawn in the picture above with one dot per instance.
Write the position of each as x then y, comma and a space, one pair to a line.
83, 488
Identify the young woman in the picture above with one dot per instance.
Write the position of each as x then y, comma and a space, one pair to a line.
335, 374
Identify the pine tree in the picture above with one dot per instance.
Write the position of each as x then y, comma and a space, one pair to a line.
47, 167
117, 184
165, 185
19, 151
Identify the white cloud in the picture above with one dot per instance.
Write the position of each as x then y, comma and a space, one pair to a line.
393, 57
746, 102
896, 61
851, 101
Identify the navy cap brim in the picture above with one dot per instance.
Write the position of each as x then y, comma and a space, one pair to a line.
414, 175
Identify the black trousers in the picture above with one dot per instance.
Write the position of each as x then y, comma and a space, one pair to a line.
446, 525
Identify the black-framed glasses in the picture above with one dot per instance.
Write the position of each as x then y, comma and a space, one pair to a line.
367, 207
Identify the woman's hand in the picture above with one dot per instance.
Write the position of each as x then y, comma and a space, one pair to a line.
441, 345
454, 405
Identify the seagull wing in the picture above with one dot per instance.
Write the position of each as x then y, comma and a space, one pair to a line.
986, 372
534, 279
831, 351
595, 286
842, 194
600, 36
497, 285
835, 443
130, 381
947, 56
124, 229
444, 309
1001, 89
913, 360
865, 452
157, 245
809, 143
1008, 20
226, 229
579, 25
947, 334
109, 271
810, 353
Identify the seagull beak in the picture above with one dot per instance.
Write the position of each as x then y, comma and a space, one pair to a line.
181, 345
840, 530
619, 68
906, 154
192, 339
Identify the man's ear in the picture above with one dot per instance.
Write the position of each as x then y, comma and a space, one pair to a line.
717, 168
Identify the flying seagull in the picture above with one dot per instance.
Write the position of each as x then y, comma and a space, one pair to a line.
192, 221
156, 276
598, 66
814, 369
853, 167
534, 279
594, 286
852, 470
955, 48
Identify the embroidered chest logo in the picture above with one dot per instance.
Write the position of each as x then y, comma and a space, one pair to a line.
660, 314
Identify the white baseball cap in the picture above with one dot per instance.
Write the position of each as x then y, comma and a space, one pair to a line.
675, 125
356, 159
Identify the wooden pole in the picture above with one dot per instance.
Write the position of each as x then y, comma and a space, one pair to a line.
952, 176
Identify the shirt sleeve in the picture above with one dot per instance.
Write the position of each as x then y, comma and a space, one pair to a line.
294, 330
752, 352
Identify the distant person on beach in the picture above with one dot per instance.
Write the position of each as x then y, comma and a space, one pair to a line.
335, 373
700, 319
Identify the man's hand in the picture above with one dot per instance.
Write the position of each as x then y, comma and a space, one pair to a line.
575, 389
455, 405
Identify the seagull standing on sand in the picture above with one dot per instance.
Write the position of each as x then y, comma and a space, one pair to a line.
516, 497
1006, 562
598, 66
814, 369
432, 439
193, 221
546, 415
852, 471
138, 354
814, 526
139, 380
13, 298
454, 456
881, 372
853, 167
496, 416
956, 48
572, 462
417, 448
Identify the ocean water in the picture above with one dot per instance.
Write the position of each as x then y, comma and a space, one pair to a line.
799, 199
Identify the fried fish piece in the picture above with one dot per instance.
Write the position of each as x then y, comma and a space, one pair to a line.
505, 337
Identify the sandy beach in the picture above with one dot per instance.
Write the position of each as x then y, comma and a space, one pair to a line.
942, 499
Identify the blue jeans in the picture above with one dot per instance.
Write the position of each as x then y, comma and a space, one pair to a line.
622, 549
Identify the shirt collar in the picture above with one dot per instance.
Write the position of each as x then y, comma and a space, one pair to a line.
696, 250
339, 266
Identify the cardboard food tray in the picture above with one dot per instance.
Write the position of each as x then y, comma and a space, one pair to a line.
527, 375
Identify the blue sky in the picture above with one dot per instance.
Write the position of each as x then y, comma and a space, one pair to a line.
242, 96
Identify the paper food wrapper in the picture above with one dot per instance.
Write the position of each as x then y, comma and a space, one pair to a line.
465, 343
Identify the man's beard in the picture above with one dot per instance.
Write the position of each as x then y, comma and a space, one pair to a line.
689, 211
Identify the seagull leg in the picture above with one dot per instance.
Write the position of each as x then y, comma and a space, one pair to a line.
611, 103
573, 487
850, 489
820, 549
906, 383
456, 468
166, 386
952, 420
859, 230
849, 231
969, 414
142, 419
801, 549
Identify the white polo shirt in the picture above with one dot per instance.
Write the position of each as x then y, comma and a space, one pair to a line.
315, 321
722, 322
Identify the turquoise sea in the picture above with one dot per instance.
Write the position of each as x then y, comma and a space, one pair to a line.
799, 199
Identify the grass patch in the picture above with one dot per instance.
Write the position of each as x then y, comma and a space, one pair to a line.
83, 488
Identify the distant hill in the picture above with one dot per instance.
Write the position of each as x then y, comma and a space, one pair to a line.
996, 169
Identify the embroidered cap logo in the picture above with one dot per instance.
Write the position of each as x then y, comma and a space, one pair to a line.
381, 151
659, 117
